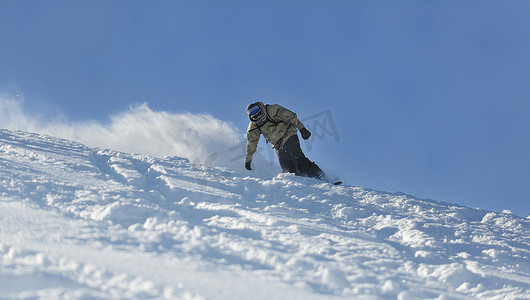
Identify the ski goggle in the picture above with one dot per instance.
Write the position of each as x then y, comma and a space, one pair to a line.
255, 114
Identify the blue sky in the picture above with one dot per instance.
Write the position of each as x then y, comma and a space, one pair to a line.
431, 98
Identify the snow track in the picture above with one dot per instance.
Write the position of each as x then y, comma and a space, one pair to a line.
78, 222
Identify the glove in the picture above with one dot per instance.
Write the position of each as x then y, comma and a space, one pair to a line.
305, 133
247, 165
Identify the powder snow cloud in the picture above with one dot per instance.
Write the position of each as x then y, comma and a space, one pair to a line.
201, 138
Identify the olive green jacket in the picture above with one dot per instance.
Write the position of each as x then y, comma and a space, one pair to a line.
277, 128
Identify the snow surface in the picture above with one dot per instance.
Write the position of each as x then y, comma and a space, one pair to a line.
80, 222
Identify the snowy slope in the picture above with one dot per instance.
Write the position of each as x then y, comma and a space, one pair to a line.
78, 222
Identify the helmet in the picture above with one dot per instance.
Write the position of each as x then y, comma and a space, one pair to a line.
255, 113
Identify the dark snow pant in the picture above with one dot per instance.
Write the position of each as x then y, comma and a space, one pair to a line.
293, 160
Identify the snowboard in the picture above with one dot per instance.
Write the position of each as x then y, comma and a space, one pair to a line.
334, 180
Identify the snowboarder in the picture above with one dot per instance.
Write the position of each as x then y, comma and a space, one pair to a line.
278, 125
